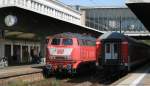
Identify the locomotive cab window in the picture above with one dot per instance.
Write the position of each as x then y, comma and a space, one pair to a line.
67, 41
55, 41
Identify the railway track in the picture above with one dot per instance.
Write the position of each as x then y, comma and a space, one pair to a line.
98, 78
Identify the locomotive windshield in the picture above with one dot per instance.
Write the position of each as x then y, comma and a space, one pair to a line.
67, 41
55, 41
63, 41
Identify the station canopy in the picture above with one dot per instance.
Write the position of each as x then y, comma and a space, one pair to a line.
141, 10
20, 23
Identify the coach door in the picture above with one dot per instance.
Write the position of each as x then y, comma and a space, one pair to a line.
111, 51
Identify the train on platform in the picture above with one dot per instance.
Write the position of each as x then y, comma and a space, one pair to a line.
72, 53
120, 52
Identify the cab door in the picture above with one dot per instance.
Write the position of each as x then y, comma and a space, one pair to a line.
111, 51
107, 51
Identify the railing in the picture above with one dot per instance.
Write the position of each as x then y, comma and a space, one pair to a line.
45, 7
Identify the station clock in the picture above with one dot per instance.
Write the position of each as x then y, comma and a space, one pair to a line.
10, 20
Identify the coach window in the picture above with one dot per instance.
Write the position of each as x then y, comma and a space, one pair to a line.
67, 41
55, 41
108, 48
115, 48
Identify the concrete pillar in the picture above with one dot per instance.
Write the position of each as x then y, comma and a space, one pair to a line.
12, 50
3, 49
2, 63
42, 49
29, 50
21, 60
39, 47
83, 17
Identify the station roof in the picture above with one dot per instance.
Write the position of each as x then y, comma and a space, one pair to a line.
141, 10
31, 24
59, 3
107, 7
137, 1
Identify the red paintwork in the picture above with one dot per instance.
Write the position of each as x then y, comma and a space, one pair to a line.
79, 55
98, 49
124, 51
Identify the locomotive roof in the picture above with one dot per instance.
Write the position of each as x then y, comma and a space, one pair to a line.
74, 35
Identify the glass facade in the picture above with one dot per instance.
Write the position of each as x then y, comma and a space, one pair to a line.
112, 19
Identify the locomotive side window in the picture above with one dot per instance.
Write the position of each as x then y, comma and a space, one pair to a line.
81, 42
91, 43
67, 41
87, 42
55, 41
84, 42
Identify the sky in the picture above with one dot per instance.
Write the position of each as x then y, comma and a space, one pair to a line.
95, 2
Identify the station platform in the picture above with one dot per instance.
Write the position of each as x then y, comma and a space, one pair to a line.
140, 77
26, 73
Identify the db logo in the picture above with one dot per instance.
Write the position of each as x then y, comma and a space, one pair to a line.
60, 51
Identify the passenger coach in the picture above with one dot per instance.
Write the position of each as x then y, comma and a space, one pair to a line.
121, 52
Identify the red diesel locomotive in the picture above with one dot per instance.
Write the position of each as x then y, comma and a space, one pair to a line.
70, 52
121, 52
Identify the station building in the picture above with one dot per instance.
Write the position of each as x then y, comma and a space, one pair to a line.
18, 51
24, 25
111, 19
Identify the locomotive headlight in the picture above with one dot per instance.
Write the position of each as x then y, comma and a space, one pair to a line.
49, 57
68, 57
52, 57
69, 67
48, 66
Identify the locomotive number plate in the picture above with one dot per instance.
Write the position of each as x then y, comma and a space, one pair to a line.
60, 51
